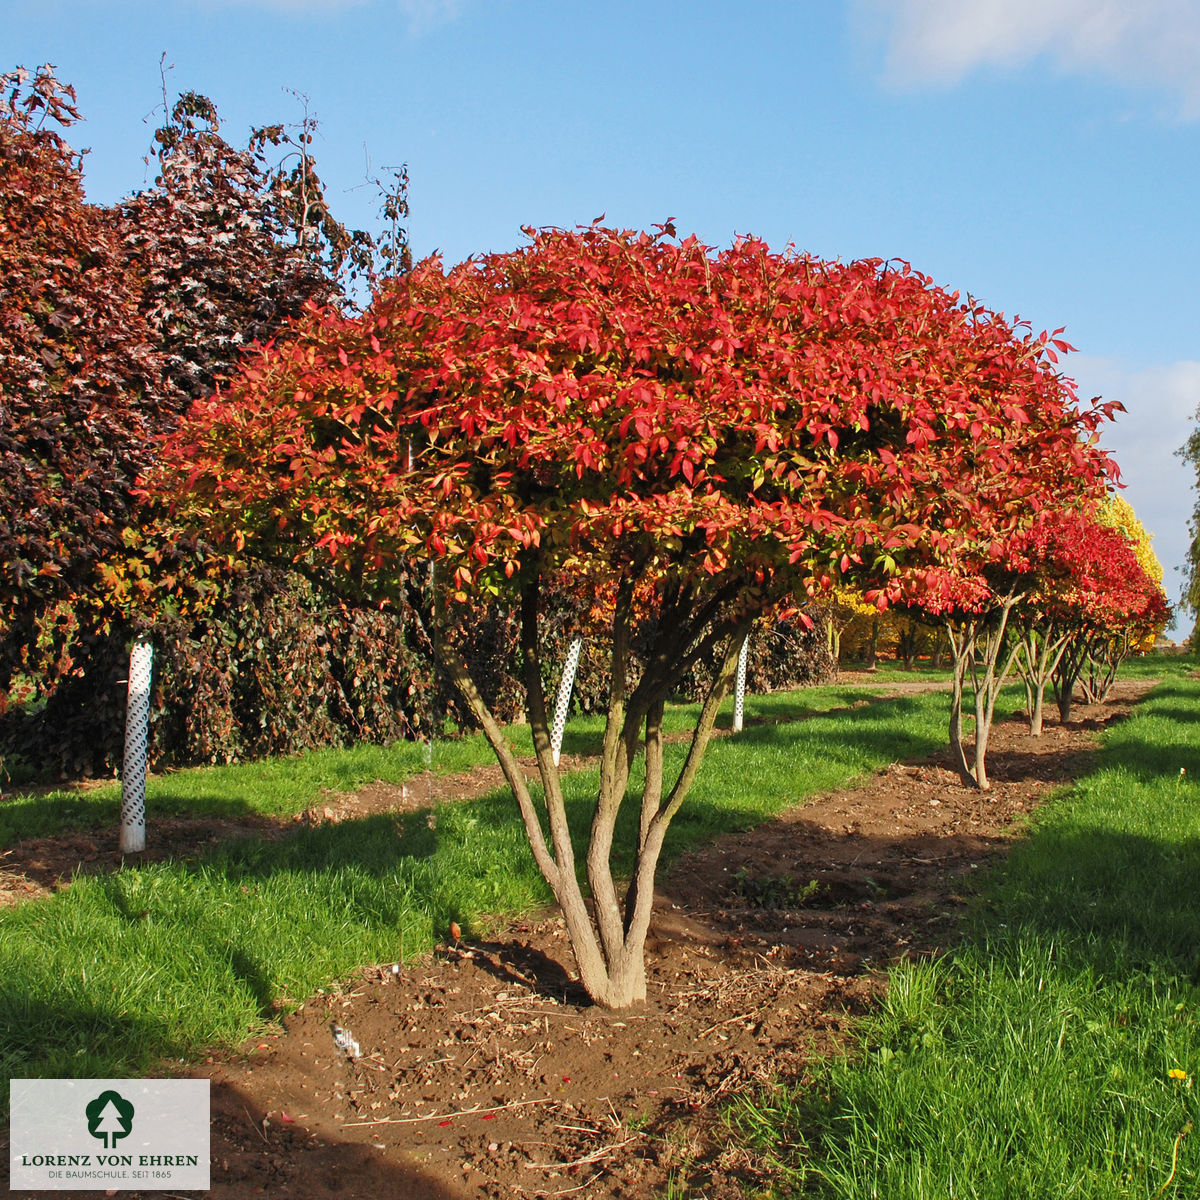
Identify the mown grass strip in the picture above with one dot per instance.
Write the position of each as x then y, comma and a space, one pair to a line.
282, 787
1055, 1053
120, 971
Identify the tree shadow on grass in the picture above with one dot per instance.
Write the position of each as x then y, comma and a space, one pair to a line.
1125, 901
881, 731
1150, 763
42, 816
47, 1037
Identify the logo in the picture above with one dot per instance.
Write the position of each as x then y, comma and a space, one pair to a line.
137, 1135
109, 1117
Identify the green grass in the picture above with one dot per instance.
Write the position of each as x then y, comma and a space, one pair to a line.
1034, 1060
272, 787
123, 969
1156, 665
283, 787
895, 672
119, 972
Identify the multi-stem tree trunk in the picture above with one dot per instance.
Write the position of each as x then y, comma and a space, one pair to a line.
908, 644
1041, 646
872, 645
608, 929
1106, 654
976, 645
1070, 666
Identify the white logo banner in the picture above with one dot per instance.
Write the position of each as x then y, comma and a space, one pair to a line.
115, 1134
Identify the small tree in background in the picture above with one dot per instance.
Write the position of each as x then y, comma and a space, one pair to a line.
1049, 598
844, 606
975, 609
1117, 513
1120, 608
1091, 585
705, 435
1060, 551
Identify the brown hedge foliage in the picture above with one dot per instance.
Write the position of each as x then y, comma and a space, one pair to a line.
112, 321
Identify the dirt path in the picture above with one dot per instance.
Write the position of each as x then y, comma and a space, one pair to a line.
484, 1072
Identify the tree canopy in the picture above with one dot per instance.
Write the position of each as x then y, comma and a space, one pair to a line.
603, 396
702, 433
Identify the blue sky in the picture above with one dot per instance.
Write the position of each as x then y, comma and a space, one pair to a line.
1043, 155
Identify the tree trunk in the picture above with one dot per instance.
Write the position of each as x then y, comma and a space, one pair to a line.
960, 649
1106, 655
834, 637
607, 932
1042, 645
976, 644
1066, 674
983, 728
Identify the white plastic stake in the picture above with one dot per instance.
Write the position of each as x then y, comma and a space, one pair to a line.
137, 725
565, 684
739, 693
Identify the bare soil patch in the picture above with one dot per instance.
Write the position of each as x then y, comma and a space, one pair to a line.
483, 1071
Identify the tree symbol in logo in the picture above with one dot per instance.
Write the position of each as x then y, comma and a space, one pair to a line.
109, 1116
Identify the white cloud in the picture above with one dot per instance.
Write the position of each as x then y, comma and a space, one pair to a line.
1161, 404
1140, 42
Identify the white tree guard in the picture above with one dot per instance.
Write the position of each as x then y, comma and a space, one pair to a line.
137, 725
739, 691
563, 703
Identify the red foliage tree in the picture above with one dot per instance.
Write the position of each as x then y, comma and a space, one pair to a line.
1050, 595
709, 433
975, 608
1113, 604
1086, 587
78, 375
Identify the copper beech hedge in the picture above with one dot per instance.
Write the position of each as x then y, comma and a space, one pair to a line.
112, 320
